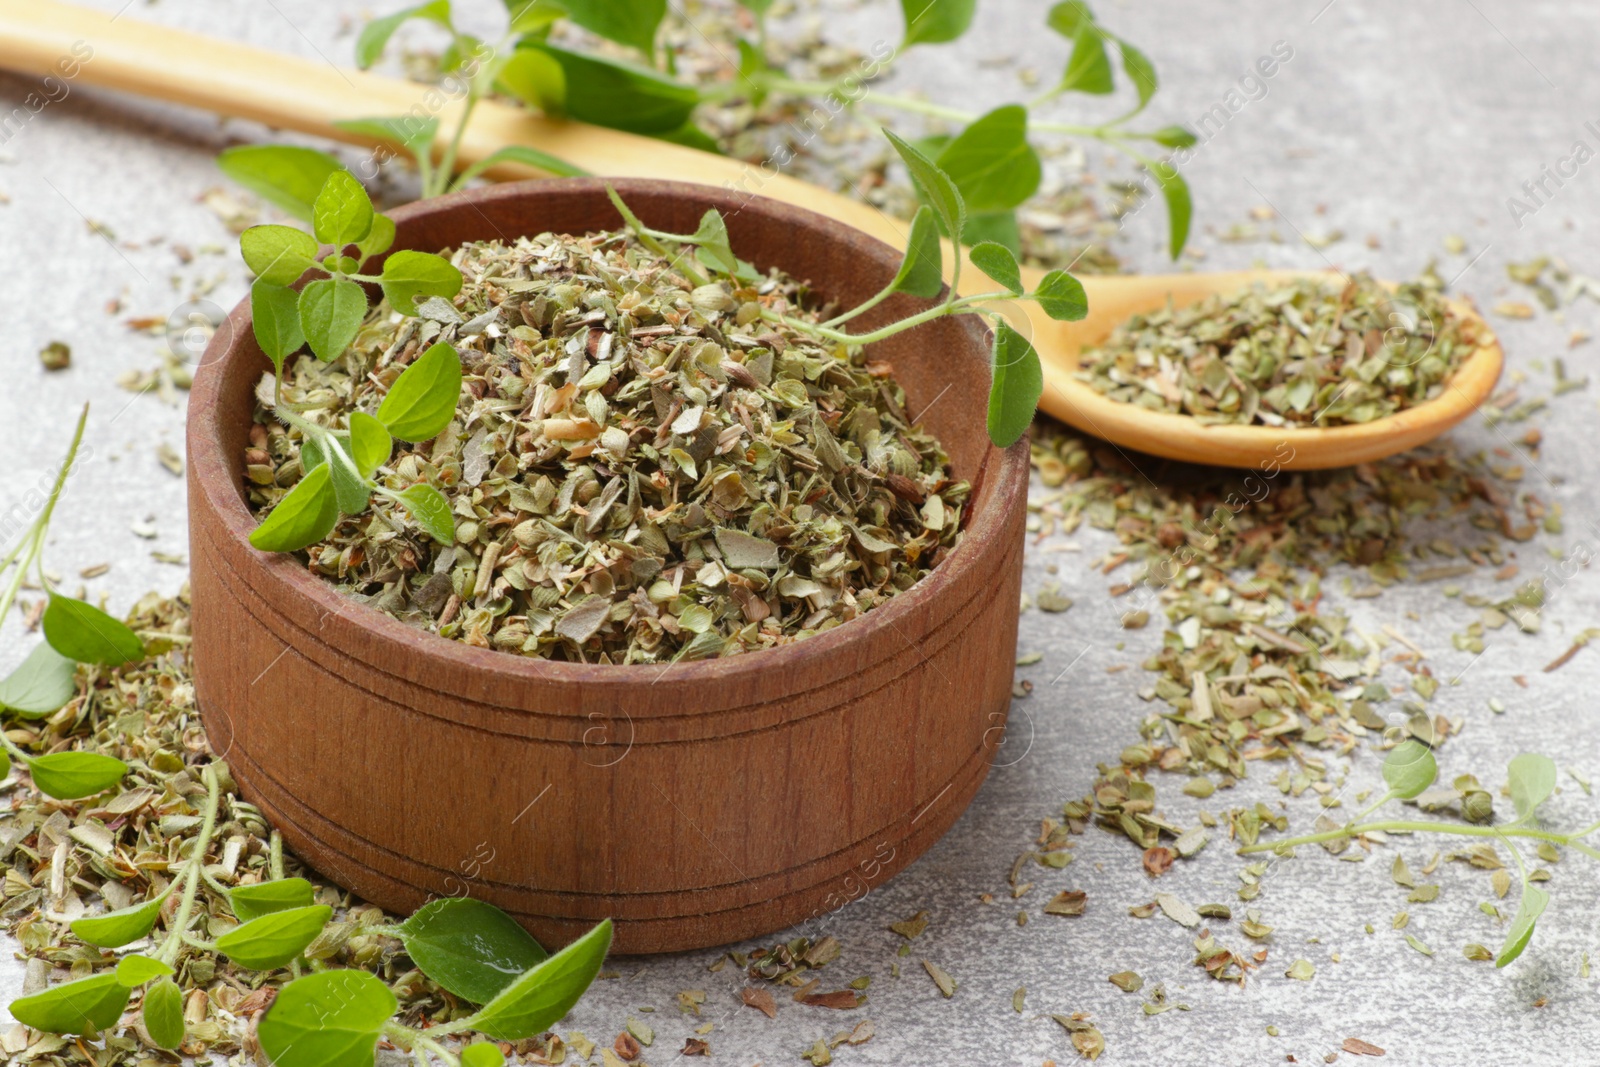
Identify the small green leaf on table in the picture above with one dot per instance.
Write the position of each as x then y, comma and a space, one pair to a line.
471, 948
42, 682
85, 1006
431, 510
134, 970
75, 775
253, 901
275, 938
544, 994
1409, 768
117, 928
1533, 779
162, 1012
936, 21
83, 632
1534, 900
328, 1019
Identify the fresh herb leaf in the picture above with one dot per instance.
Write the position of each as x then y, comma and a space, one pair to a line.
604, 91
370, 443
42, 682
1533, 779
285, 175
329, 1019
351, 492
1068, 17
1140, 71
162, 1012
545, 993
305, 515
253, 901
1062, 297
117, 928
1529, 908
278, 254
1017, 385
1174, 137
85, 1006
998, 263
936, 21
431, 511
1180, 206
1089, 68
482, 1054
934, 186
921, 272
375, 34
134, 970
83, 632
408, 275
991, 161
75, 775
275, 321
275, 938
331, 310
628, 22
422, 401
415, 135
378, 239
471, 948
342, 212
716, 250
1409, 768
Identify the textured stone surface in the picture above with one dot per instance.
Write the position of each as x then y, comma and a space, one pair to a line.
1406, 122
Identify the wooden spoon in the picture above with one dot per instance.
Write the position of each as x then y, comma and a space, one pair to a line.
38, 36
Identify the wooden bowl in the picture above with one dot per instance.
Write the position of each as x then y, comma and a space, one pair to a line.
695, 804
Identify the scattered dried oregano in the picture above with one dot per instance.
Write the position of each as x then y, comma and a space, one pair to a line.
640, 469
1301, 354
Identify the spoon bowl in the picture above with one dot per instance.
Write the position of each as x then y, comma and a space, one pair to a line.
1113, 299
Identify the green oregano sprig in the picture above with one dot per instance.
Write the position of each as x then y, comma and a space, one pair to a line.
74, 632
329, 1018
1409, 769
325, 314
1017, 379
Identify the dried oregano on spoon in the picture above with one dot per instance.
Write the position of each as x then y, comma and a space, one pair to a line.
627, 447
1301, 354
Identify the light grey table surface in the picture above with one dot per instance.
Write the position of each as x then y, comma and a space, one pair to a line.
1405, 122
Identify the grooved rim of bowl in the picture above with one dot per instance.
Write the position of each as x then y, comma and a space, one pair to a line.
761, 676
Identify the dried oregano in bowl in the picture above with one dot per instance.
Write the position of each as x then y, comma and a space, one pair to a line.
640, 468
1301, 354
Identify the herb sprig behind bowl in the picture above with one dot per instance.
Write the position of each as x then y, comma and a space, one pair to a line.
655, 451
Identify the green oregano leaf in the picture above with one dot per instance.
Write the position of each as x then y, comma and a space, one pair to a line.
370, 443
528, 157
331, 310
934, 186
1533, 779
351, 492
1529, 908
1140, 71
253, 901
422, 401
134, 970
1089, 68
162, 1012
408, 275
1062, 297
483, 1054
85, 1006
376, 33
75, 775
921, 272
998, 263
1180, 206
342, 212
716, 250
275, 320
378, 239
991, 161
936, 21
545, 993
278, 254
117, 928
286, 175
416, 135
1174, 137
471, 948
1409, 768
604, 91
1016, 387
305, 515
83, 632
628, 22
1068, 17
328, 1019
42, 682
275, 938
431, 510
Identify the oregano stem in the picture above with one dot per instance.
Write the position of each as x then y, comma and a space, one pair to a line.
952, 307
1418, 826
168, 952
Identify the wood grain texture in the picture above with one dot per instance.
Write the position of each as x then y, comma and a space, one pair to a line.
695, 804
310, 96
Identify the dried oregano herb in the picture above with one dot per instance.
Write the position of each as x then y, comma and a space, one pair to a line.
640, 469
1294, 355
